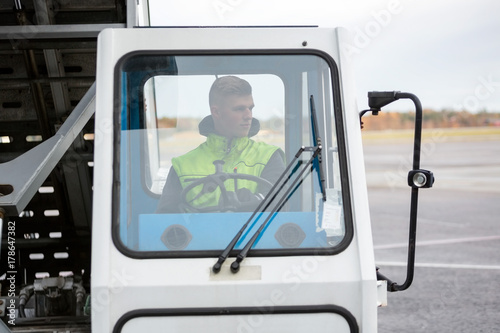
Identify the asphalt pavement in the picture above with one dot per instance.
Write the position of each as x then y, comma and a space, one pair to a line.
456, 286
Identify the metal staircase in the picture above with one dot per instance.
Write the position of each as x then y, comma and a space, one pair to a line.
47, 71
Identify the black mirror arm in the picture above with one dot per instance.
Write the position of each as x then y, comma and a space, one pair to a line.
417, 178
412, 233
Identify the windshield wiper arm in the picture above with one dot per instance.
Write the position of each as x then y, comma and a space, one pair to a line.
268, 199
316, 149
317, 143
235, 266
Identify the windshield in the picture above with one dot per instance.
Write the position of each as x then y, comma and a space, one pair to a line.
203, 140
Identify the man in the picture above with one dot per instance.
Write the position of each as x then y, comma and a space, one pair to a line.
228, 129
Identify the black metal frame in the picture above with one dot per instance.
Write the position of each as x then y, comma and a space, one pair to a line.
232, 311
376, 100
339, 123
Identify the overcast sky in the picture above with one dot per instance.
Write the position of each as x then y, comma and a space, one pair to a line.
446, 52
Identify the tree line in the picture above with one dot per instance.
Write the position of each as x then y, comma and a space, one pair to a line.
431, 119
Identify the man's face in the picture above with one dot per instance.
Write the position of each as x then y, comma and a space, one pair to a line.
233, 116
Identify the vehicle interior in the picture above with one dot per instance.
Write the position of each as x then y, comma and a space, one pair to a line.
164, 97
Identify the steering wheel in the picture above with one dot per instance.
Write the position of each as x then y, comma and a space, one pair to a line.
240, 200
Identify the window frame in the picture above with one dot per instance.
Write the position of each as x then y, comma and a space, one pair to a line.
339, 134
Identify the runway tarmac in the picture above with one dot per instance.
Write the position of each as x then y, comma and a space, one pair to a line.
456, 287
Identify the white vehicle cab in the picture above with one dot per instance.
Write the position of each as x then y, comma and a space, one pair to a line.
297, 259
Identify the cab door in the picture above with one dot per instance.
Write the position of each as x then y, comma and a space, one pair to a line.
300, 265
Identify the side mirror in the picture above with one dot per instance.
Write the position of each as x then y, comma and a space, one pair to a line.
417, 178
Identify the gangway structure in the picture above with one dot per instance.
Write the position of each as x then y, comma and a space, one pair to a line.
47, 104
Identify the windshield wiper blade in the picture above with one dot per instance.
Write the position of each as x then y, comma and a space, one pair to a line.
235, 266
316, 149
268, 199
317, 143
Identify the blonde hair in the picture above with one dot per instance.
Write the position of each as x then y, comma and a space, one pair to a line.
226, 86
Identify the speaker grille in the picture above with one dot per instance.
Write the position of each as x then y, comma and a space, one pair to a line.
290, 235
176, 237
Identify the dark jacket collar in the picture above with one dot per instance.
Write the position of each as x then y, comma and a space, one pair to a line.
206, 126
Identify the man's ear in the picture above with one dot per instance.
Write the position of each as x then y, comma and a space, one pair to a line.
214, 110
